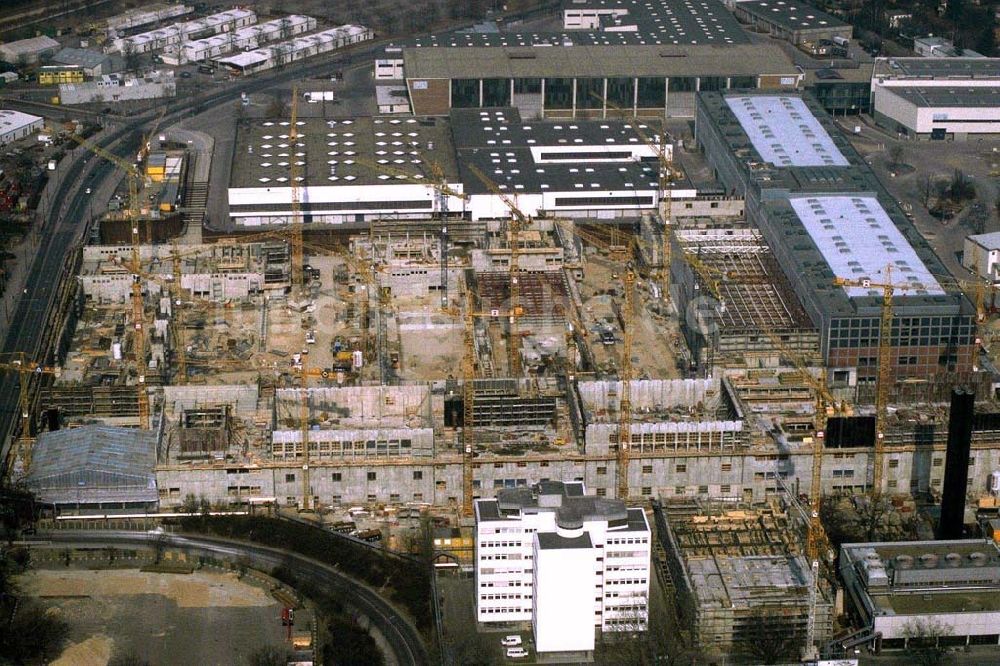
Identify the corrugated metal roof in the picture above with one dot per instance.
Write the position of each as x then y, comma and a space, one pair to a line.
597, 61
79, 462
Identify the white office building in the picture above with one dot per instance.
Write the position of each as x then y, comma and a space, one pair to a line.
567, 562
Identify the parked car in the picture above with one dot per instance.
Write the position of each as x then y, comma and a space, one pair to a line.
511, 641
516, 653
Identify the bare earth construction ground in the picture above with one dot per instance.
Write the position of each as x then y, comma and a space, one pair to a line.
201, 618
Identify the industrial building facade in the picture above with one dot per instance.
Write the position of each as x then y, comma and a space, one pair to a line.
895, 588
630, 57
564, 561
16, 125
358, 169
937, 98
820, 208
791, 20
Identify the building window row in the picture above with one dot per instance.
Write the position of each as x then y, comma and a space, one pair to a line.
626, 581
627, 540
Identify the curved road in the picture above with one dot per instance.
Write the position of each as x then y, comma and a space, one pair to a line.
401, 636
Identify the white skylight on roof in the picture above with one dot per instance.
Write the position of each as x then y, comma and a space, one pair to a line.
784, 131
858, 239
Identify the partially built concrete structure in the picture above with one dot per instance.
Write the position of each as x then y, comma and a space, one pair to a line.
740, 576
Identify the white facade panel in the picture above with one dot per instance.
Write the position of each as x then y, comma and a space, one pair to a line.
563, 611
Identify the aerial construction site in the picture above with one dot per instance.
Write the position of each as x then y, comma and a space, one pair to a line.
360, 308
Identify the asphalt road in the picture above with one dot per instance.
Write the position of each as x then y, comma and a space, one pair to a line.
401, 636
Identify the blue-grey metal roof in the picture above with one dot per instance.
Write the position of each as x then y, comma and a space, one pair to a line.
94, 464
81, 57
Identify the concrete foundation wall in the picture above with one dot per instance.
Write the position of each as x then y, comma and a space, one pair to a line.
750, 476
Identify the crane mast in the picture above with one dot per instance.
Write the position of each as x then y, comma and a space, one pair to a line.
625, 404
468, 398
883, 373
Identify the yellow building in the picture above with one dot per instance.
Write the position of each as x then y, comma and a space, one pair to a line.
55, 74
454, 543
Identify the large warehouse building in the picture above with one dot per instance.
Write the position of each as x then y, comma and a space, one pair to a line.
354, 170
791, 20
826, 216
646, 58
937, 98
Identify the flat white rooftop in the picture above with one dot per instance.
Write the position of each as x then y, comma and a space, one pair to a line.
785, 132
12, 120
859, 240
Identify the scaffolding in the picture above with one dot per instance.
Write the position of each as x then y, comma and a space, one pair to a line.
735, 566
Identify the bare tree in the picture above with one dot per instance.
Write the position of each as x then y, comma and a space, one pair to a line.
775, 640
130, 55
925, 188
961, 187
277, 108
923, 642
895, 155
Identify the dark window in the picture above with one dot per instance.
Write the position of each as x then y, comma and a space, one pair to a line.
576, 202
613, 155
371, 476
417, 476
496, 92
712, 83
308, 207
559, 93
289, 478
336, 476
529, 86
682, 83
589, 93
464, 93
621, 92
652, 92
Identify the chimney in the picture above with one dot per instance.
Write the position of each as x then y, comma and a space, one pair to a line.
956, 468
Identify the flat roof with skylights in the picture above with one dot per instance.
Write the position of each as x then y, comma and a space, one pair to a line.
340, 152
649, 22
784, 131
859, 241
790, 14
571, 155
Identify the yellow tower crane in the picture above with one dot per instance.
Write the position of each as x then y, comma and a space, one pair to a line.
438, 181
134, 214
665, 178
294, 179
26, 370
518, 220
816, 537
469, 396
884, 371
624, 251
